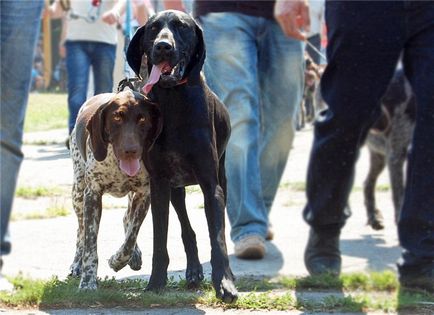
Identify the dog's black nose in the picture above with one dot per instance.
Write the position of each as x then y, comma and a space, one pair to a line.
163, 47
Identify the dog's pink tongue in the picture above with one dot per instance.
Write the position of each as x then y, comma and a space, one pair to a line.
130, 167
154, 76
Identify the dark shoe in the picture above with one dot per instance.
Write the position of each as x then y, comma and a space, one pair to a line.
322, 254
416, 273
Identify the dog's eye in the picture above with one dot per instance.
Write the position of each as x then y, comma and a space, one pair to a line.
179, 24
118, 116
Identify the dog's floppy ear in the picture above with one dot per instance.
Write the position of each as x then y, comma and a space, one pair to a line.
196, 63
97, 134
153, 133
157, 125
136, 50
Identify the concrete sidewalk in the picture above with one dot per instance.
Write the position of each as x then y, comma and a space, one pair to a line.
43, 248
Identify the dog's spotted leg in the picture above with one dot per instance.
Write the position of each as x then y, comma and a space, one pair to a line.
92, 217
129, 253
77, 203
194, 272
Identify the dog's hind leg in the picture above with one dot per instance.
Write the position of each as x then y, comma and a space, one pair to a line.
194, 272
376, 166
397, 154
129, 252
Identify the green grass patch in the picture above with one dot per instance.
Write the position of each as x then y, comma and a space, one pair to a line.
51, 212
295, 186
36, 192
46, 111
349, 293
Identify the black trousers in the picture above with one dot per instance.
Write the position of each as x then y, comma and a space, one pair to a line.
366, 39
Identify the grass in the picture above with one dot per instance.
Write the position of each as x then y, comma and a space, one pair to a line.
301, 187
36, 192
54, 211
358, 292
46, 111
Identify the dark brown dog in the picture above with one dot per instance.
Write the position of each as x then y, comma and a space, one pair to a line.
113, 133
190, 149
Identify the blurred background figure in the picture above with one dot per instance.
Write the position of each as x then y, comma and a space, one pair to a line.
258, 73
316, 11
89, 37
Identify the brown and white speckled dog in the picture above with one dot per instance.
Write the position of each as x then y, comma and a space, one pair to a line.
109, 147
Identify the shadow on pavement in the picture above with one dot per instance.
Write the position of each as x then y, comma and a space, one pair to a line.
50, 153
373, 248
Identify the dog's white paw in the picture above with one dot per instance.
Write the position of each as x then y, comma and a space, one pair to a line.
88, 283
117, 262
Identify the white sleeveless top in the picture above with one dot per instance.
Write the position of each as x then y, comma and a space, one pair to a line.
83, 30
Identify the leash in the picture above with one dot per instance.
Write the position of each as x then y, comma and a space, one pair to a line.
316, 50
130, 80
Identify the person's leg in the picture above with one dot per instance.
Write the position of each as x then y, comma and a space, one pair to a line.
231, 72
77, 66
17, 43
281, 79
416, 224
103, 63
362, 58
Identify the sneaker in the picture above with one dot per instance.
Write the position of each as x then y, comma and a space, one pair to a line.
322, 254
250, 247
5, 285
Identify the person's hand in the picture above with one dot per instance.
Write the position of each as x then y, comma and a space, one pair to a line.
111, 16
293, 17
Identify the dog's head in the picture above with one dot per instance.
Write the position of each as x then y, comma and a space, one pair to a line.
174, 47
130, 123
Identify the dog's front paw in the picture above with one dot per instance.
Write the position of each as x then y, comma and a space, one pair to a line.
156, 284
117, 262
135, 261
226, 291
376, 221
88, 283
194, 275
75, 270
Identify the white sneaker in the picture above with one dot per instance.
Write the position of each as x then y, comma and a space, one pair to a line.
5, 285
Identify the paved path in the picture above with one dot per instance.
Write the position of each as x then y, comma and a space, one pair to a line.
43, 248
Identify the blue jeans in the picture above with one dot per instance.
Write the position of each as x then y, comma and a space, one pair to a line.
365, 43
258, 73
80, 57
18, 40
